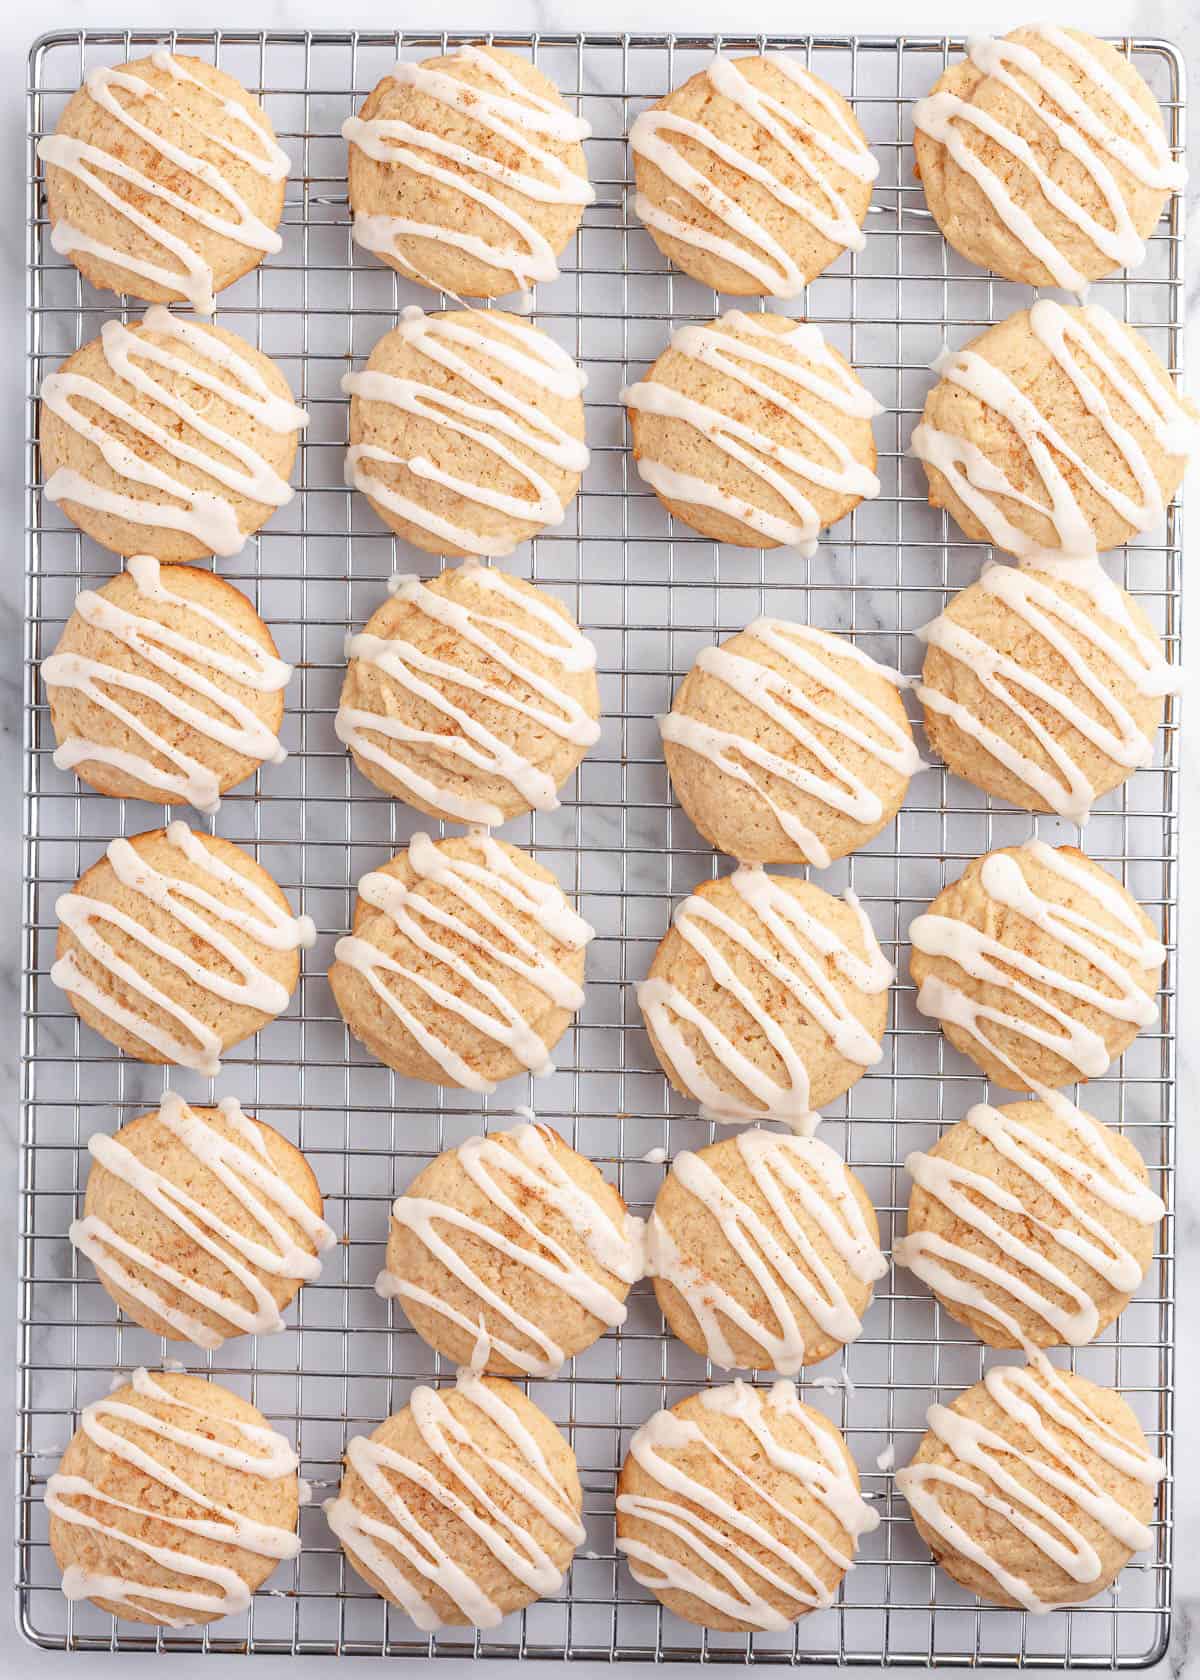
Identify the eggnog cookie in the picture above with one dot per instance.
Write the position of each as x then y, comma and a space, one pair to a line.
767, 998
467, 173
168, 438
176, 945
173, 1502
164, 181
165, 685
466, 431
753, 176
1039, 966
463, 1507
788, 745
1043, 157
472, 697
1057, 433
1034, 1488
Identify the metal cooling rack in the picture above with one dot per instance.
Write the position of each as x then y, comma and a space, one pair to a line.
650, 595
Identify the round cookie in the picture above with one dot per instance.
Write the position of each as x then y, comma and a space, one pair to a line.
740, 1508
173, 1502
175, 946
201, 1222
471, 697
1066, 1458
788, 744
466, 431
165, 685
512, 1253
1032, 1224
763, 1249
463, 1507
754, 431
753, 176
1055, 434
1039, 966
1044, 686
467, 173
164, 180
1043, 157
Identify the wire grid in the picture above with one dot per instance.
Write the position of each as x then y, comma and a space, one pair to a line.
650, 594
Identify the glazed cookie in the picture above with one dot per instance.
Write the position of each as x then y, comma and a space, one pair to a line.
466, 431
740, 1508
467, 173
463, 1507
201, 1222
763, 1249
512, 1253
173, 1502
754, 431
176, 946
788, 745
1039, 966
1044, 686
168, 438
1032, 1224
1034, 1488
472, 697
1043, 157
165, 685
164, 181
753, 176
767, 998
1057, 433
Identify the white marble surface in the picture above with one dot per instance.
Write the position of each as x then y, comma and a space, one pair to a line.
18, 25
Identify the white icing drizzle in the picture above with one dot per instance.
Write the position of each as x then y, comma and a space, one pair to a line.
187, 659
723, 1574
201, 915
526, 1158
410, 1531
780, 1254
1080, 130
220, 1590
249, 1175
551, 635
1115, 361
522, 120
804, 940
809, 147
509, 427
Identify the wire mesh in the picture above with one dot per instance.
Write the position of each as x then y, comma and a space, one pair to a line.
650, 595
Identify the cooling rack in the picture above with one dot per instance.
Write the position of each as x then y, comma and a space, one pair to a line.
650, 595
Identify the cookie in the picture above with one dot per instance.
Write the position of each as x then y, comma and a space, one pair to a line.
1043, 157
471, 697
463, 1507
788, 744
173, 1503
1044, 686
165, 685
753, 176
1034, 1488
176, 946
164, 180
168, 438
763, 1249
1039, 966
467, 173
767, 998
1056, 433
202, 1223
512, 1253
466, 431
